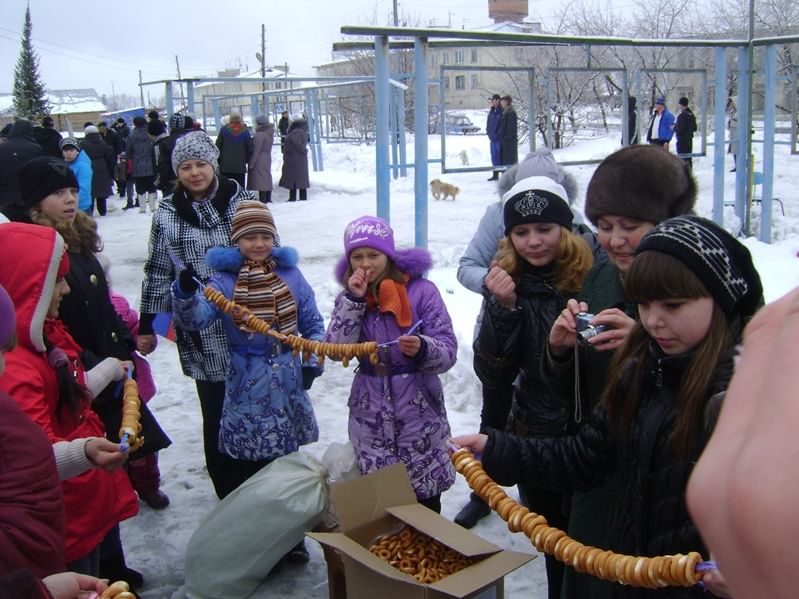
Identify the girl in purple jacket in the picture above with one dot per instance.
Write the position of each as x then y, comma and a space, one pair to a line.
397, 412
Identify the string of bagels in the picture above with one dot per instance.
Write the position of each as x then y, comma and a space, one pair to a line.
683, 570
338, 351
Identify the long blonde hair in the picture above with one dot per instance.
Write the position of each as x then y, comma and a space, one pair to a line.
80, 235
573, 260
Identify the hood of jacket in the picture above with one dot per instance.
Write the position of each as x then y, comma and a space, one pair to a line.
23, 128
30, 279
230, 259
414, 262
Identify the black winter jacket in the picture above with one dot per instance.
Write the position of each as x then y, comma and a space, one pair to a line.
510, 344
103, 159
14, 153
650, 517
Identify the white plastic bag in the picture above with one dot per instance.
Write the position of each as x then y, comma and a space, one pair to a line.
252, 528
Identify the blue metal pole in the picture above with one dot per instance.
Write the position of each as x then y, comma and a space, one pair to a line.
217, 115
190, 97
403, 142
393, 132
318, 129
625, 108
769, 122
719, 133
741, 158
170, 103
383, 175
531, 110
420, 118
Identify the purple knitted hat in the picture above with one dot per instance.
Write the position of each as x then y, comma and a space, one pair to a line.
371, 232
8, 319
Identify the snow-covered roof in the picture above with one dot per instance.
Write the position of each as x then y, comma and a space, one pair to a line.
62, 101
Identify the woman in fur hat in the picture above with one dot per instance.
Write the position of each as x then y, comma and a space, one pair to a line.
695, 287
195, 218
630, 192
397, 412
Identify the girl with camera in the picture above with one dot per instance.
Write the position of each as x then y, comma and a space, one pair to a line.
695, 287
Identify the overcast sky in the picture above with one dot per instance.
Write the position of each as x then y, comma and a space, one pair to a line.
86, 43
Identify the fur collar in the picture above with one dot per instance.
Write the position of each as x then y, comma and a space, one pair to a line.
414, 262
221, 200
229, 259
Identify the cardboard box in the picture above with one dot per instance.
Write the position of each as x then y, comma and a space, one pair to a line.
381, 502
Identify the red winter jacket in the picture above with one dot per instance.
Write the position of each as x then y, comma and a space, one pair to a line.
31, 504
96, 500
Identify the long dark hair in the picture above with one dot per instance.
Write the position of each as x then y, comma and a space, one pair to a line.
657, 276
80, 235
71, 394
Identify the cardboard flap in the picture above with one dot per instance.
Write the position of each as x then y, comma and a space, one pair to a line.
347, 546
443, 530
482, 573
366, 498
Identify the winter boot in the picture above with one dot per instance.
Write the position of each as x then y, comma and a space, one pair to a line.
494, 176
303, 195
141, 202
115, 568
472, 512
293, 194
152, 200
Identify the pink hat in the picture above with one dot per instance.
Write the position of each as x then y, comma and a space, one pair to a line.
371, 232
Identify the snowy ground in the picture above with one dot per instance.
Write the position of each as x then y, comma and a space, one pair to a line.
155, 541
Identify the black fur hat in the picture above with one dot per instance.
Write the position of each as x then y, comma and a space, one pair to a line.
643, 182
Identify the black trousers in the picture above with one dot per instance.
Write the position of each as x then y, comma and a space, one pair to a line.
226, 473
550, 505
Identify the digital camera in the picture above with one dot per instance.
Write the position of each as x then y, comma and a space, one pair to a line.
586, 330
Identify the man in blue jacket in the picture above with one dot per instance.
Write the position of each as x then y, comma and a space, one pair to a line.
492, 130
661, 126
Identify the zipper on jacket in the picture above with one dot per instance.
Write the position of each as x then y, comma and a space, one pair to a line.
659, 374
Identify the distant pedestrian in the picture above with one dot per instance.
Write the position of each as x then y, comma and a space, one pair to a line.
139, 150
122, 130
81, 166
18, 149
632, 122
732, 130
259, 176
235, 148
295, 160
684, 129
508, 131
492, 130
661, 125
103, 159
283, 127
155, 126
48, 138
163, 155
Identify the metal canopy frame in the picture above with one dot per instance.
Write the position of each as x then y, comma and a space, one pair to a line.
421, 42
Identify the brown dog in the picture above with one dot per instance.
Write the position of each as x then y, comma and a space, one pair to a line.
442, 191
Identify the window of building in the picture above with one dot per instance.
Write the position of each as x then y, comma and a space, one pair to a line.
446, 82
459, 56
445, 58
460, 82
475, 81
434, 59
474, 55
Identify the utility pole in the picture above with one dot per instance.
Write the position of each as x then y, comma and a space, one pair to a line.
396, 18
113, 97
141, 91
180, 86
263, 56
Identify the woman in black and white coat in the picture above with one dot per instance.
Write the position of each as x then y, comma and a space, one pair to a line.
196, 217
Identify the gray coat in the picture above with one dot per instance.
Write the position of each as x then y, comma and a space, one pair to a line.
295, 157
139, 150
260, 166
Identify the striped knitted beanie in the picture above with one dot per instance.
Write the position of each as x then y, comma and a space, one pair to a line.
721, 262
252, 217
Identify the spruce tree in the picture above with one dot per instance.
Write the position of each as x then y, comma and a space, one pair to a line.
30, 99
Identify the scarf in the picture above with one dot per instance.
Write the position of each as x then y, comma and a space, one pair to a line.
393, 299
266, 296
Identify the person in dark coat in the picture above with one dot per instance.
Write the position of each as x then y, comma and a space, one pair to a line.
493, 121
283, 127
122, 130
684, 129
139, 151
632, 122
48, 138
508, 133
696, 287
259, 170
111, 138
103, 159
235, 149
164, 149
155, 126
540, 263
294, 175
14, 153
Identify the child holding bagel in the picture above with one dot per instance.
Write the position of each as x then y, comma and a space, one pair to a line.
266, 412
397, 412
695, 287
